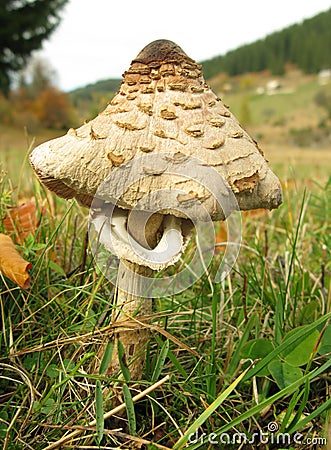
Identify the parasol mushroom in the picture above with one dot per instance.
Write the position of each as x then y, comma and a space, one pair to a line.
158, 155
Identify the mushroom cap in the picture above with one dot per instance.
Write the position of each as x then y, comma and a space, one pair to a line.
163, 106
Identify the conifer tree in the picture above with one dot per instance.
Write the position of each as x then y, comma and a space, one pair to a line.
24, 25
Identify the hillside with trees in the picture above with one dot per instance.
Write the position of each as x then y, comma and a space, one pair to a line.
36, 102
306, 45
91, 99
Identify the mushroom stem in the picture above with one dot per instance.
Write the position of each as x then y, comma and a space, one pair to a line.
130, 306
132, 299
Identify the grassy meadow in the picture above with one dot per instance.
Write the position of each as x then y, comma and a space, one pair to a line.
243, 364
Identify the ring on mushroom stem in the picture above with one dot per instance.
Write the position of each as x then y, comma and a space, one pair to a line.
112, 232
181, 277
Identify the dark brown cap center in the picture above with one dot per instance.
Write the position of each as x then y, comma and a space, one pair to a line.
162, 51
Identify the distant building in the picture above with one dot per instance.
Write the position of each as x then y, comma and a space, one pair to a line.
227, 87
273, 86
324, 76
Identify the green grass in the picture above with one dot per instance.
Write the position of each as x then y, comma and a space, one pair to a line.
15, 145
249, 352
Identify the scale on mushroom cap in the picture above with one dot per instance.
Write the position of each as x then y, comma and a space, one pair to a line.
166, 153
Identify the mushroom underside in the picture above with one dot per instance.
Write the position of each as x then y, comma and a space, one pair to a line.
151, 240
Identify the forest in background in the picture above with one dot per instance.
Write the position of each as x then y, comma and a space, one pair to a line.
303, 45
306, 45
37, 103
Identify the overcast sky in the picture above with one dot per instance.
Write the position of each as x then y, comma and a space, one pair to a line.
97, 39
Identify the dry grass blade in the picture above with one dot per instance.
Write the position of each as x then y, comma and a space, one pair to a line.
176, 341
128, 323
136, 439
19, 409
106, 416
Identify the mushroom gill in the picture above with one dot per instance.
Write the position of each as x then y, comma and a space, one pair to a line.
157, 241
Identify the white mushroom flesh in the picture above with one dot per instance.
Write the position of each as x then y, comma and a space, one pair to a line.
114, 236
